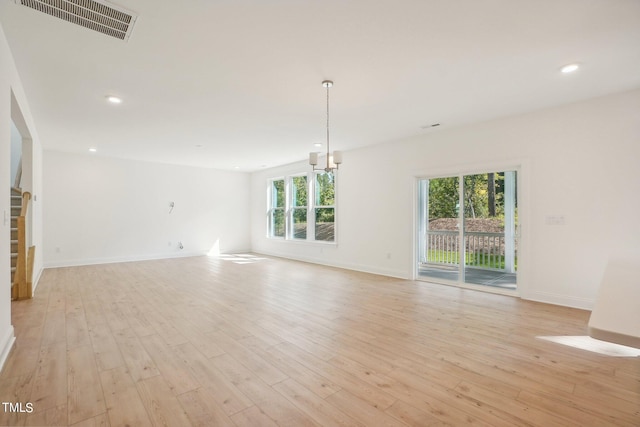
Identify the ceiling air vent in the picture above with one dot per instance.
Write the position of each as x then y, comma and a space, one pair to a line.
99, 16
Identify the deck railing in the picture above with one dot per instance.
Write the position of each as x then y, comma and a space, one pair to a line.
485, 250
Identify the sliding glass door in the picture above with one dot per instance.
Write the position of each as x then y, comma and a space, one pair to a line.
467, 229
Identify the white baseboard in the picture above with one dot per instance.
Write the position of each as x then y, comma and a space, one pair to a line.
111, 260
398, 274
6, 344
36, 280
557, 299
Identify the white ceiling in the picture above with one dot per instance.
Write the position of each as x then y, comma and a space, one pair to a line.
242, 78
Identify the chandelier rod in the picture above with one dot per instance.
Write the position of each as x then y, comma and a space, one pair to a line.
327, 84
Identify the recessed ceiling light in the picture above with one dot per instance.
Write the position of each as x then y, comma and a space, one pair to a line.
317, 144
114, 99
569, 68
93, 149
236, 167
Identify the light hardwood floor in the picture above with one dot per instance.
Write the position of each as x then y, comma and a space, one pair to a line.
213, 342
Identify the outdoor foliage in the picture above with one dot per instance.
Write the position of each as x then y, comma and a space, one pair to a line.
325, 196
299, 191
324, 212
483, 198
299, 206
278, 195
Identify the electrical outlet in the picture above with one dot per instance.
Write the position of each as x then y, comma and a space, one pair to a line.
554, 220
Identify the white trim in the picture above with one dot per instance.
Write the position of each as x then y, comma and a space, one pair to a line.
6, 345
398, 274
469, 169
111, 260
558, 299
35, 282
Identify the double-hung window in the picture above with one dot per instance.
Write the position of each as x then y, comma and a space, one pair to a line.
298, 211
277, 202
302, 207
324, 206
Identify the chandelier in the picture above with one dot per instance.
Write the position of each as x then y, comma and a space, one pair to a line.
332, 162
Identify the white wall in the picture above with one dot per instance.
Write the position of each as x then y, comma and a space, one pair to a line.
580, 161
13, 107
99, 209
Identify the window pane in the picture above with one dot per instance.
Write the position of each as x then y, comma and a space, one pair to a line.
325, 224
299, 191
278, 193
300, 223
277, 220
325, 190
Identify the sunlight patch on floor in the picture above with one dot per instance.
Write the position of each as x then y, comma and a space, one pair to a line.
241, 258
585, 342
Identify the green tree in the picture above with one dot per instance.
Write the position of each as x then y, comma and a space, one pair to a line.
443, 198
483, 196
278, 207
299, 206
325, 196
299, 190
475, 196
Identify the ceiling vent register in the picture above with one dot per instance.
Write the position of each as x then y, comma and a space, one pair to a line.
99, 16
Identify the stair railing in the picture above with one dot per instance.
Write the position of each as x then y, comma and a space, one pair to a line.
22, 281
18, 177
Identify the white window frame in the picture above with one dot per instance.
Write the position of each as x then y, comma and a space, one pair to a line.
289, 209
271, 200
314, 206
290, 234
